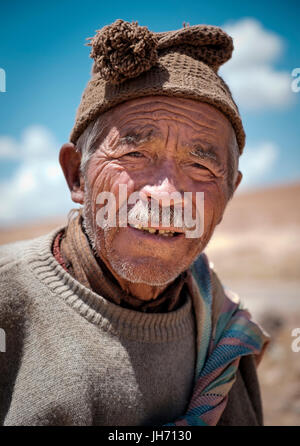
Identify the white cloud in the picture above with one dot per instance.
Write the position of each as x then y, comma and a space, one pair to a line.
36, 142
8, 148
37, 189
251, 75
257, 162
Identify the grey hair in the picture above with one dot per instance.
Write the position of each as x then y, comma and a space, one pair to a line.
89, 141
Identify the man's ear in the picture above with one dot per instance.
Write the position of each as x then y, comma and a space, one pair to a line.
238, 180
69, 159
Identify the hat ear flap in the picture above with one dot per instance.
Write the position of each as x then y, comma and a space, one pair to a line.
208, 44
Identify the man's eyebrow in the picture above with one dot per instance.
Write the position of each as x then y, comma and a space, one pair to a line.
137, 137
209, 153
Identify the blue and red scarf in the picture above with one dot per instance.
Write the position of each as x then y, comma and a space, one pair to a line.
225, 333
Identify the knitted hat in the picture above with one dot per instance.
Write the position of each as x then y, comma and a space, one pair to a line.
130, 62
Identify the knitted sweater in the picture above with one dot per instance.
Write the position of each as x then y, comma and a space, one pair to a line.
74, 358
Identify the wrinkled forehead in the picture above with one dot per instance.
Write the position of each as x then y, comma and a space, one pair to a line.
154, 112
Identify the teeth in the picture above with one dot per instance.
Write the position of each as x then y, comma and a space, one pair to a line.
166, 233
163, 232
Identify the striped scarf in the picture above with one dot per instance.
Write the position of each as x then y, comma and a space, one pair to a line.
224, 335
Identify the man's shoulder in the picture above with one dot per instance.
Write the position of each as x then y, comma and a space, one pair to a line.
17, 280
20, 250
16, 258
12, 256
244, 405
12, 251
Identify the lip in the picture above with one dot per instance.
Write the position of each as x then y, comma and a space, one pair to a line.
144, 235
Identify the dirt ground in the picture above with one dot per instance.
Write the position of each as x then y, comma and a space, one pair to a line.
255, 252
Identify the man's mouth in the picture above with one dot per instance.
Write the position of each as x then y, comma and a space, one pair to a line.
158, 231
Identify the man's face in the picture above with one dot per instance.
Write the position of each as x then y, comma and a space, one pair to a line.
158, 145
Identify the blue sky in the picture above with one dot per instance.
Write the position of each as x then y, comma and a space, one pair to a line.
47, 67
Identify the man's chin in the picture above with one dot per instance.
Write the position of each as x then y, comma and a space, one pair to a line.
145, 271
148, 271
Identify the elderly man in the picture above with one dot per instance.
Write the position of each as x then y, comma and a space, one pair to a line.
113, 323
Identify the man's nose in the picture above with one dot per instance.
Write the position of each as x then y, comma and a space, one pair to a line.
162, 189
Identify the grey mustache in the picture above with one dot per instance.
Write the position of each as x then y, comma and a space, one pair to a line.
145, 214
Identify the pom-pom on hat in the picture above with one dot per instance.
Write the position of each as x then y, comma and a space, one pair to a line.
123, 50
130, 62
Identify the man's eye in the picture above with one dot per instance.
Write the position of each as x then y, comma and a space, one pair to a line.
199, 166
203, 169
135, 154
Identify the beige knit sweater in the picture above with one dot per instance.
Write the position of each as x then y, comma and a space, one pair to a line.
74, 358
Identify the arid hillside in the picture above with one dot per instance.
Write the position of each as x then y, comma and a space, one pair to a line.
259, 235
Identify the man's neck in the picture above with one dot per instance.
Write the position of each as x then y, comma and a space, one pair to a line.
141, 291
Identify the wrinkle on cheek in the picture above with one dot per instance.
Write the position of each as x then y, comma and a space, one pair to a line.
222, 200
221, 173
122, 179
214, 205
108, 179
102, 183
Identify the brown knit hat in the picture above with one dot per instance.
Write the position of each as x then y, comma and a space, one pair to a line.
130, 62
